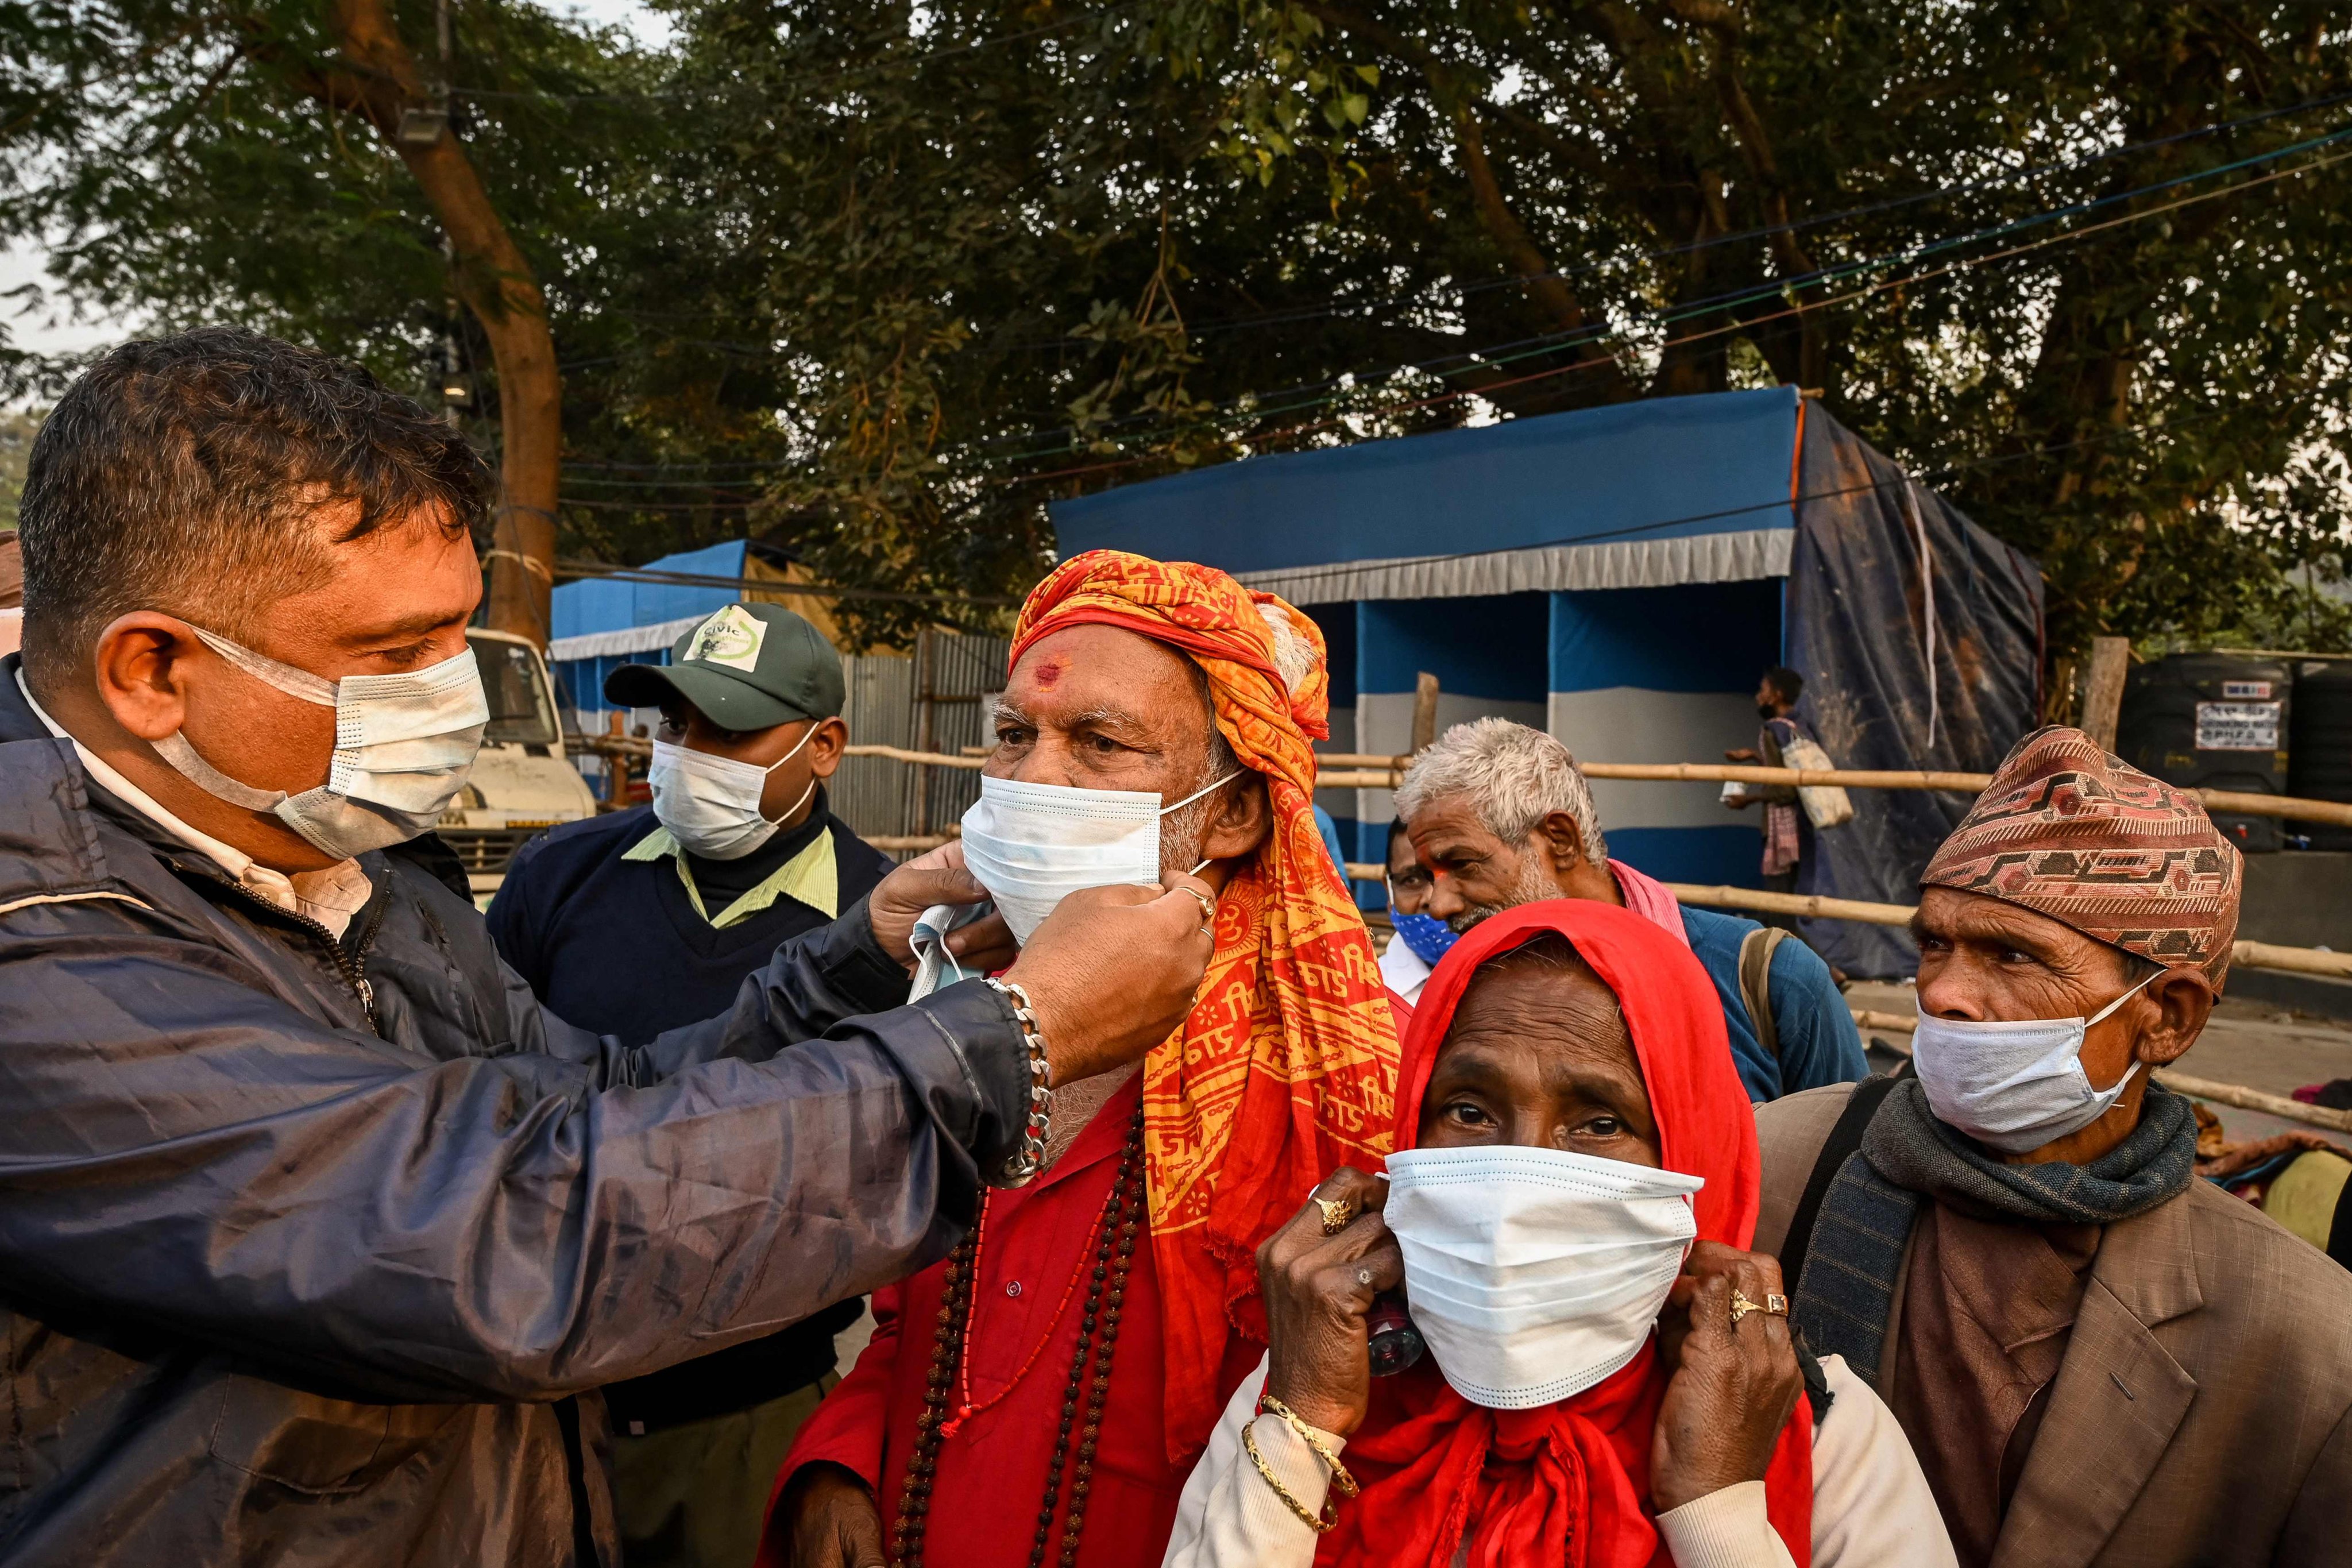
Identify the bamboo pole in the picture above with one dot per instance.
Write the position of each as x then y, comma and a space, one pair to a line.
924, 759
2255, 1099
2252, 955
1386, 775
1811, 904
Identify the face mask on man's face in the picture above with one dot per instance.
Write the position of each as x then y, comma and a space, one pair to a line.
2013, 1085
711, 805
1033, 845
404, 746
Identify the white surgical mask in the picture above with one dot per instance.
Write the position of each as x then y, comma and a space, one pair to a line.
1033, 845
1534, 1273
403, 745
711, 805
2013, 1085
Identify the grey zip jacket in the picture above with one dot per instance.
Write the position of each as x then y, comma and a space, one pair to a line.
314, 1251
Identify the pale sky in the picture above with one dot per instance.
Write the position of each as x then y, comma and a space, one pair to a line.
57, 328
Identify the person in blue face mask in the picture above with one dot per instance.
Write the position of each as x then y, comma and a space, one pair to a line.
646, 920
2099, 1358
1422, 938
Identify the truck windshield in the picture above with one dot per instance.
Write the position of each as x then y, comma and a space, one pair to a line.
522, 710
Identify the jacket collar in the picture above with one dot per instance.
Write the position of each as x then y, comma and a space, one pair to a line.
46, 784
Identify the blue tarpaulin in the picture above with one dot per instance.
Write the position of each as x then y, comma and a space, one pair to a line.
601, 623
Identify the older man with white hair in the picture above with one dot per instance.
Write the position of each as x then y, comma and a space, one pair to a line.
1500, 816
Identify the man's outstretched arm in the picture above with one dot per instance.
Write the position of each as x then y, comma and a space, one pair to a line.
187, 1152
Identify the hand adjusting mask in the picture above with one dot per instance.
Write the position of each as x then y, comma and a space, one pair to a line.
404, 746
1033, 845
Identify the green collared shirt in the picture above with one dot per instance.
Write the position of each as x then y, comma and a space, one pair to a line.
809, 877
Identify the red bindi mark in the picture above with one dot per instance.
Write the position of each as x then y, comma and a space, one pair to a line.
1050, 672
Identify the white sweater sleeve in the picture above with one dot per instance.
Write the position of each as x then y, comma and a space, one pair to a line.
1871, 1507
1228, 1516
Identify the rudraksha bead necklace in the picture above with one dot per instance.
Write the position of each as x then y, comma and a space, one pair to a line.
1114, 1254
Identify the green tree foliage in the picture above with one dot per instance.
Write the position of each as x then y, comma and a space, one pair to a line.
877, 281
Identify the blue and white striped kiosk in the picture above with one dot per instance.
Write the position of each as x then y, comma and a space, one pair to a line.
1622, 575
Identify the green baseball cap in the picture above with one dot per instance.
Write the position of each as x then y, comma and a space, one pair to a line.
746, 667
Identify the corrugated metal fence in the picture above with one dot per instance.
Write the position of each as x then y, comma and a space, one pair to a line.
935, 699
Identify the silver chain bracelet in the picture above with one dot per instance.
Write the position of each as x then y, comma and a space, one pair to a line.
1031, 1157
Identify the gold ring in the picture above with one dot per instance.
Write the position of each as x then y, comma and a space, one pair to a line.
1208, 905
1773, 1305
1337, 1212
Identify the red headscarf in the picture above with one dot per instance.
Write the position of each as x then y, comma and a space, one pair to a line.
1286, 1065
1568, 1485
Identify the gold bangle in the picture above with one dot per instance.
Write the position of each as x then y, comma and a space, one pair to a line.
1308, 1435
1319, 1526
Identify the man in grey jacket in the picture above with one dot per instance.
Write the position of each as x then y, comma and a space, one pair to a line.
316, 1233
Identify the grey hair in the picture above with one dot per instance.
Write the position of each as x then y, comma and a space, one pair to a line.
1293, 659
1513, 777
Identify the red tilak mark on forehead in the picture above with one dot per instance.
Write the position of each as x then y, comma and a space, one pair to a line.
1050, 671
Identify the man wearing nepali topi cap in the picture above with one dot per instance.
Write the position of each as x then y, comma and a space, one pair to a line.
2099, 1359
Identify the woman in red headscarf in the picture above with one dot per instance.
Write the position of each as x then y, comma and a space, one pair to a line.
1574, 1123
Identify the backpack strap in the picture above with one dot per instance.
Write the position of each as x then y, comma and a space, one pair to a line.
1845, 1140
1756, 951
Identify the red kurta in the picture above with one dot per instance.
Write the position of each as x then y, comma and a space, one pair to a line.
992, 1473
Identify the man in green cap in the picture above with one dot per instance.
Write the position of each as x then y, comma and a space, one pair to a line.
645, 920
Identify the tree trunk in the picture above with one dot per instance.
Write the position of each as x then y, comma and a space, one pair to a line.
496, 283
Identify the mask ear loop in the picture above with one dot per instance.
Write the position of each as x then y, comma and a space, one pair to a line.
1196, 794
787, 757
2102, 1013
2119, 1002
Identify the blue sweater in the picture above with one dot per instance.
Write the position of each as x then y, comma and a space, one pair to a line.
615, 946
1819, 1044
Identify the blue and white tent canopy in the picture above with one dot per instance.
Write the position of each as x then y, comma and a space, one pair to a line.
1622, 575
601, 623
1642, 495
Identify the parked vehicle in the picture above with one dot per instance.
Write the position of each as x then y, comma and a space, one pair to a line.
522, 783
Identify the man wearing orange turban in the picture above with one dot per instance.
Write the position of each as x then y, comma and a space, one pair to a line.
1085, 1334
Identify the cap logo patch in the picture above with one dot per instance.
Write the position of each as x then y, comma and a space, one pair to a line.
732, 637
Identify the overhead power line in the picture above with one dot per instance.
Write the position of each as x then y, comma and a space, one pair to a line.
576, 569
1256, 406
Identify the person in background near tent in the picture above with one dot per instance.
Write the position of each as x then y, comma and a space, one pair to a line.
2101, 1360
1788, 836
1421, 937
1501, 818
646, 920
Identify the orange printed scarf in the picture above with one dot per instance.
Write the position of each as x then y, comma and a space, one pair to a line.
1288, 1066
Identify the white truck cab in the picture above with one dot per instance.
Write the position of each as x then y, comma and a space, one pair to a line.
522, 783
